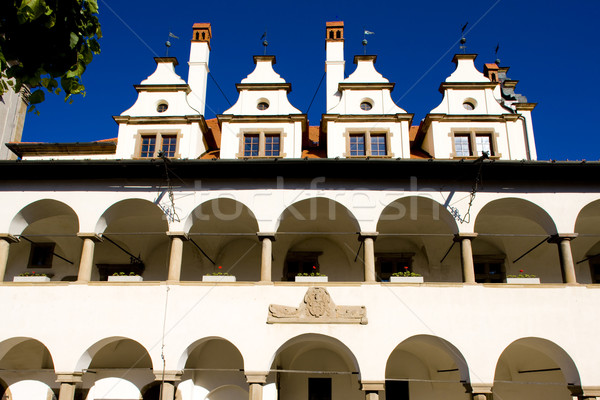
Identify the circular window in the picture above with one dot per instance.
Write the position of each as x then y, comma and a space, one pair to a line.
469, 104
162, 107
263, 105
366, 106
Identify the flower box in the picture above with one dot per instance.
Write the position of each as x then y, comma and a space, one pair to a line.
306, 279
524, 281
406, 279
125, 278
218, 278
31, 279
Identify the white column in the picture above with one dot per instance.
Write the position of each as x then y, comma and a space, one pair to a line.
563, 241
68, 383
168, 380
372, 389
5, 241
256, 381
480, 391
87, 256
176, 255
368, 239
466, 255
267, 239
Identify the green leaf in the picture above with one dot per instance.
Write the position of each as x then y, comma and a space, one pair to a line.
73, 40
36, 97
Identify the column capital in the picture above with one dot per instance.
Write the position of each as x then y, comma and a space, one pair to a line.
169, 376
9, 238
478, 388
178, 234
69, 377
557, 238
458, 237
367, 235
266, 235
259, 377
372, 386
95, 237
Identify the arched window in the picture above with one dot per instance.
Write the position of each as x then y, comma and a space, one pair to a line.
197, 36
330, 34
338, 35
203, 35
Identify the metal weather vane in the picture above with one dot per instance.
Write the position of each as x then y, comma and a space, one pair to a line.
168, 42
463, 39
365, 42
265, 43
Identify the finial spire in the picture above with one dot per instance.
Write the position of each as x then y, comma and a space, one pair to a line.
264, 43
365, 42
496, 53
168, 43
463, 39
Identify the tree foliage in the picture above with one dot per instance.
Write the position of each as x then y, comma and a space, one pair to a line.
44, 42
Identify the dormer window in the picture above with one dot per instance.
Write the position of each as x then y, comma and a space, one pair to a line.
263, 105
473, 144
261, 144
367, 144
152, 144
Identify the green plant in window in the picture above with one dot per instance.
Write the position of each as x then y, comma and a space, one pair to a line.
32, 273
521, 275
406, 272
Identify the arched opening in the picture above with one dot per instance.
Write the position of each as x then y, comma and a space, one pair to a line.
320, 233
338, 34
48, 240
223, 239
197, 35
26, 370
426, 367
535, 368
508, 232
134, 241
214, 369
313, 366
330, 34
116, 368
586, 247
415, 234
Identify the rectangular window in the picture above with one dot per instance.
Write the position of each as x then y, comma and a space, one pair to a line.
251, 145
390, 263
271, 145
169, 145
261, 145
300, 262
319, 389
483, 144
396, 390
151, 146
462, 145
357, 145
41, 255
489, 269
378, 145
148, 146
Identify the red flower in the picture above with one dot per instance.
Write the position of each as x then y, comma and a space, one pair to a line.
405, 267
220, 267
521, 271
314, 267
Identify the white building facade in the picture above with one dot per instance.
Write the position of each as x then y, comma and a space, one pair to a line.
255, 257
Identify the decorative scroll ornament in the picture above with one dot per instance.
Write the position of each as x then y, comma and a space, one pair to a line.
317, 307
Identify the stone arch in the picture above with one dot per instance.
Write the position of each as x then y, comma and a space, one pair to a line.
227, 392
210, 364
85, 361
312, 356
535, 366
428, 365
586, 247
34, 354
43, 210
140, 212
225, 230
514, 227
417, 231
327, 226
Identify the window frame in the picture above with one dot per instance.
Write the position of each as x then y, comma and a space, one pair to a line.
368, 134
399, 260
262, 143
48, 248
473, 134
487, 260
308, 257
159, 136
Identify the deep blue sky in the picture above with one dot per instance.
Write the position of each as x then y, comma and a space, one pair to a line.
551, 46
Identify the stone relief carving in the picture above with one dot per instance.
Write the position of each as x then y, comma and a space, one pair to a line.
317, 307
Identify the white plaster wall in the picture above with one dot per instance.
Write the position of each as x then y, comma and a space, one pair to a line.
399, 140
198, 75
334, 67
484, 98
249, 99
381, 101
